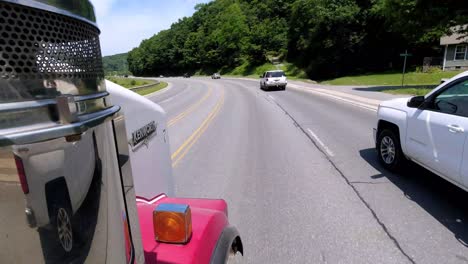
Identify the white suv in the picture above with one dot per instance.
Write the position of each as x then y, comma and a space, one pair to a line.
273, 79
430, 130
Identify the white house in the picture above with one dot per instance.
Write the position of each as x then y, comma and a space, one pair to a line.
456, 50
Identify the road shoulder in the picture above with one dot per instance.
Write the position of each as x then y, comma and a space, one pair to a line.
357, 96
167, 88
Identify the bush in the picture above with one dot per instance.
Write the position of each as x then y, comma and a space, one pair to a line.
434, 69
132, 82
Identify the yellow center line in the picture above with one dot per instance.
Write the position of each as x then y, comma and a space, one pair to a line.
187, 145
192, 108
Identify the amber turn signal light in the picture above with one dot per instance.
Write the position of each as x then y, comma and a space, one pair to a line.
172, 223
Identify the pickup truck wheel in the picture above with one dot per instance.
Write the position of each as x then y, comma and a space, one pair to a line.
64, 228
389, 150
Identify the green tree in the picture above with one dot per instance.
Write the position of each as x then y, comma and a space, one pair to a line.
422, 21
328, 38
115, 64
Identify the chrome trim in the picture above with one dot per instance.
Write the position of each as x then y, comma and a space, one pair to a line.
80, 98
126, 176
67, 110
10, 107
82, 125
51, 8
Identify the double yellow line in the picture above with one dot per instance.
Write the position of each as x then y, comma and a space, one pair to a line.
192, 108
189, 142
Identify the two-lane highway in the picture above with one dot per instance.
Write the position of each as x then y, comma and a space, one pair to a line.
301, 178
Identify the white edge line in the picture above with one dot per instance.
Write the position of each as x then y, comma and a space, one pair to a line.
329, 152
167, 100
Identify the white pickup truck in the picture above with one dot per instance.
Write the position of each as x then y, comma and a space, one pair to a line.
429, 130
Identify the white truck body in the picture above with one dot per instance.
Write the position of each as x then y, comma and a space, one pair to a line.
434, 135
149, 142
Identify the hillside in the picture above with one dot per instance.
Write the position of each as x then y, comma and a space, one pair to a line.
325, 38
116, 64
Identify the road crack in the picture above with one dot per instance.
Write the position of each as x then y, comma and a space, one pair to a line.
349, 183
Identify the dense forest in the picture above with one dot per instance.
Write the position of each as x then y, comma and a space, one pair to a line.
116, 64
326, 38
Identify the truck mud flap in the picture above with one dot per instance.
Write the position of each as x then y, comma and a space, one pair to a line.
228, 242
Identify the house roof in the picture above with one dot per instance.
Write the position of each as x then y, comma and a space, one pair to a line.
455, 38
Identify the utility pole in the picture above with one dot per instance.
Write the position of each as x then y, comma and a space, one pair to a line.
405, 55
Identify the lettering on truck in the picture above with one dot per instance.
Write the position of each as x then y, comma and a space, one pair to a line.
142, 135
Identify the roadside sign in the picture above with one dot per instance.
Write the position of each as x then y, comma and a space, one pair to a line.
406, 55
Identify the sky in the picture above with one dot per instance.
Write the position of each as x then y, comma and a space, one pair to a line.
125, 23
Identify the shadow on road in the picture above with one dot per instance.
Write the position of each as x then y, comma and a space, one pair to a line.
382, 88
444, 201
273, 90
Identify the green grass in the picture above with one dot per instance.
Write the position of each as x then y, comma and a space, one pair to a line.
411, 78
248, 70
132, 83
152, 89
129, 82
409, 91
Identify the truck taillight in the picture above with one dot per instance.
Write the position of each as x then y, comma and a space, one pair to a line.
21, 174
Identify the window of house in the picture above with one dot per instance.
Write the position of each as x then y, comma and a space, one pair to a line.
460, 52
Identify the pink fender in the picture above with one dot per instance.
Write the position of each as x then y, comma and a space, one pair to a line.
209, 220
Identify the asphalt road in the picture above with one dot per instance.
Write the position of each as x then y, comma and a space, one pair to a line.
300, 174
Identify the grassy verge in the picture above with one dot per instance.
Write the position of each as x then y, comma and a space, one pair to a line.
129, 82
254, 71
132, 83
383, 79
152, 89
408, 91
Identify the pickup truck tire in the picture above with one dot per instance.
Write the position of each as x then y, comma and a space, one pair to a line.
62, 223
389, 150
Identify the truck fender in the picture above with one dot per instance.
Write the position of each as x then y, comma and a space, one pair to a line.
394, 117
56, 189
229, 242
212, 235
